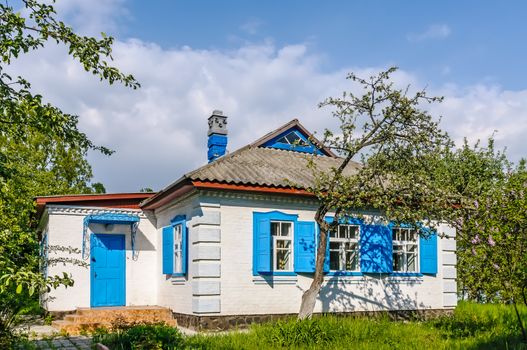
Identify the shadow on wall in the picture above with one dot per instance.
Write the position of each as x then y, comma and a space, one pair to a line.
370, 293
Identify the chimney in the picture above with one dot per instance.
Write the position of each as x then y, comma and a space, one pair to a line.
217, 142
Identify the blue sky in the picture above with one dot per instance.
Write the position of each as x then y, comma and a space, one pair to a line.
264, 63
466, 42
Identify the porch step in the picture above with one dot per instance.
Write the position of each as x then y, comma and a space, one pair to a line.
87, 319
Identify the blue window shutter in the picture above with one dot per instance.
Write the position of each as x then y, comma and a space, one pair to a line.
168, 250
326, 260
184, 247
376, 249
428, 253
262, 240
305, 248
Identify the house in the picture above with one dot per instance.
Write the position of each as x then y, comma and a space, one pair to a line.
232, 242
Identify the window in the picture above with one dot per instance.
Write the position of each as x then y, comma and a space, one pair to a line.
292, 138
178, 248
344, 248
404, 249
282, 255
175, 238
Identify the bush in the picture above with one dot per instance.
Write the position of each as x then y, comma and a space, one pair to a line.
140, 336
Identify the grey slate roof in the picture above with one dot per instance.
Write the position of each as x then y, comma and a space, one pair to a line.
261, 166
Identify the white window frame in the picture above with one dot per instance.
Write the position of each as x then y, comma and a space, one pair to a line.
178, 248
405, 243
289, 238
342, 247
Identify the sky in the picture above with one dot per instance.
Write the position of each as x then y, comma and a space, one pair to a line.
265, 63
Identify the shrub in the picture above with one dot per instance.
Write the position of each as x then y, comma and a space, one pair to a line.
140, 336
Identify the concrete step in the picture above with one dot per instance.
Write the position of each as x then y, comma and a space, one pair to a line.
86, 319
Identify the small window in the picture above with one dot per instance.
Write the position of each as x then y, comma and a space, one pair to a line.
344, 248
178, 248
282, 233
404, 249
292, 138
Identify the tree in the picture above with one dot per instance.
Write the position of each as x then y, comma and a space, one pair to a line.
397, 143
494, 251
42, 150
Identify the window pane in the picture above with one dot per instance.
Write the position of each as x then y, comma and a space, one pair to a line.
286, 229
411, 262
352, 260
354, 230
283, 261
275, 228
283, 244
333, 234
334, 246
334, 260
342, 231
395, 235
398, 263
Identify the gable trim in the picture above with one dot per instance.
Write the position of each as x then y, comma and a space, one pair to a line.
292, 125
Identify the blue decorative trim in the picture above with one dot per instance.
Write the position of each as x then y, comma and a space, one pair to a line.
178, 274
109, 218
406, 274
178, 219
278, 215
344, 273
277, 273
273, 143
346, 220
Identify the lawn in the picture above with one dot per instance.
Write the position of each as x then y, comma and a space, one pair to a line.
472, 326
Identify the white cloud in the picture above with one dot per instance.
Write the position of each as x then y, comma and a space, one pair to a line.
434, 31
159, 131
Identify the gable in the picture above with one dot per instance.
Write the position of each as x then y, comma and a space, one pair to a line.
293, 139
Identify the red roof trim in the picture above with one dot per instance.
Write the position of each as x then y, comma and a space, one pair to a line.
166, 197
250, 188
91, 197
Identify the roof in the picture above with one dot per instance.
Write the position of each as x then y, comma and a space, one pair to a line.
107, 200
266, 167
254, 165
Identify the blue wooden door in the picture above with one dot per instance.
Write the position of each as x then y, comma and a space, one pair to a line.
107, 270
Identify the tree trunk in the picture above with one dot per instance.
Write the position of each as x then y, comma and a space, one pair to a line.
524, 334
310, 296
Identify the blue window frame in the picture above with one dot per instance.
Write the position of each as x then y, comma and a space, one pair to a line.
175, 247
282, 245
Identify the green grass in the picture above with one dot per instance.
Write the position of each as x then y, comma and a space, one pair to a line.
471, 327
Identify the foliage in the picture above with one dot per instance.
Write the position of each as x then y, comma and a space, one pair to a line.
472, 326
398, 144
42, 152
494, 249
140, 336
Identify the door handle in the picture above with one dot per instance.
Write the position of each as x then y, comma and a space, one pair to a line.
94, 275
93, 259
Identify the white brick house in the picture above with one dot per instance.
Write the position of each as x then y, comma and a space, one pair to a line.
232, 238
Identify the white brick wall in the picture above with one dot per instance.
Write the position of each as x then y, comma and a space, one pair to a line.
66, 229
220, 278
243, 293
